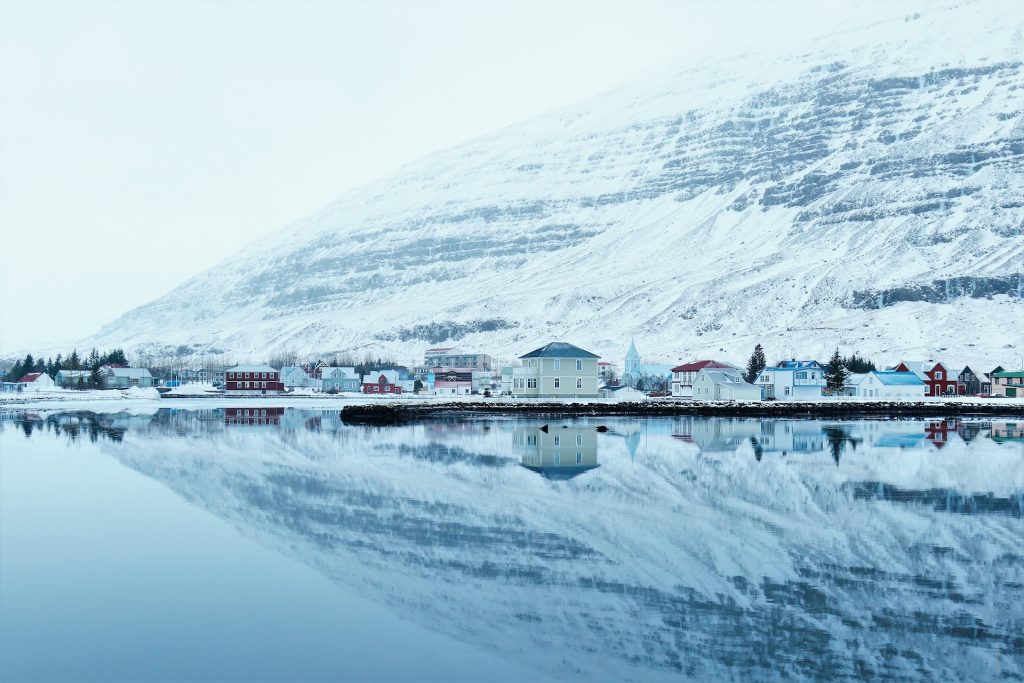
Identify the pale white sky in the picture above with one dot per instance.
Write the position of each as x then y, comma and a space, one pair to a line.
143, 142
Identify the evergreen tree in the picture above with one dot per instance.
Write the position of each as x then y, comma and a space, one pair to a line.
835, 373
73, 361
81, 383
96, 380
58, 363
856, 364
756, 364
27, 365
94, 359
16, 371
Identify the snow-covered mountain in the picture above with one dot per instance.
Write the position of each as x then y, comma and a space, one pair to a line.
866, 190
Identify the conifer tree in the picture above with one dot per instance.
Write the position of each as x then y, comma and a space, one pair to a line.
756, 364
835, 373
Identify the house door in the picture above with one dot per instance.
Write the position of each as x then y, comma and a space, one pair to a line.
1011, 393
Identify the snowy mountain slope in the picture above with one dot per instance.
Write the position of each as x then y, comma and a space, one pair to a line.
865, 191
625, 573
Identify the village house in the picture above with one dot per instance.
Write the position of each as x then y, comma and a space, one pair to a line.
449, 357
294, 377
382, 382
892, 385
621, 393
986, 379
972, 382
73, 379
723, 384
793, 380
453, 381
211, 375
683, 376
252, 380
1007, 383
117, 377
36, 381
938, 379
340, 379
557, 370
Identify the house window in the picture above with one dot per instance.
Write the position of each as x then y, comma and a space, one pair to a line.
531, 383
579, 439
247, 375
579, 366
938, 374
558, 441
558, 364
579, 458
558, 382
579, 382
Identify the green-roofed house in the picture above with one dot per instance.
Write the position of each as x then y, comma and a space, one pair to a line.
1007, 383
558, 370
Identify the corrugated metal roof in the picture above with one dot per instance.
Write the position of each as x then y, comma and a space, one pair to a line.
560, 350
252, 368
892, 378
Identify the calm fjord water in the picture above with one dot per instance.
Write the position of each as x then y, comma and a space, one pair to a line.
281, 544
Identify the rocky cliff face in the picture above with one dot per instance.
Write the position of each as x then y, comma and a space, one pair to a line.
819, 198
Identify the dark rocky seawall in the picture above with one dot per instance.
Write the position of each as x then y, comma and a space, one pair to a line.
391, 413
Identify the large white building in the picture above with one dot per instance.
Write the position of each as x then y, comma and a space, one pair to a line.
890, 385
723, 384
558, 370
793, 380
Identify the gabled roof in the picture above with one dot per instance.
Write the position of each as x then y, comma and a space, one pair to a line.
560, 350
698, 365
30, 377
797, 365
133, 373
251, 368
891, 377
921, 367
723, 376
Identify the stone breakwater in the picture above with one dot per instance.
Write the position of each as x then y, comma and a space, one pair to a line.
389, 413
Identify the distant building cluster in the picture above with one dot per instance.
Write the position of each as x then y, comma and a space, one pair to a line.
561, 370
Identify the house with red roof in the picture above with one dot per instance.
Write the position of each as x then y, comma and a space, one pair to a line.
36, 381
683, 376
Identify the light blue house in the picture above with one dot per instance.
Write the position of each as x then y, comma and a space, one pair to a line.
340, 379
294, 377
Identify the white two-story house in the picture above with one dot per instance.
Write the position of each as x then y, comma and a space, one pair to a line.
558, 370
793, 380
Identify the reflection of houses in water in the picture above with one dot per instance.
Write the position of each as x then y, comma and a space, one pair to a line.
558, 453
939, 432
1004, 432
254, 417
715, 435
791, 436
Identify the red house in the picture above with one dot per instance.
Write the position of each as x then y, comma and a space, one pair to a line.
937, 378
252, 380
381, 382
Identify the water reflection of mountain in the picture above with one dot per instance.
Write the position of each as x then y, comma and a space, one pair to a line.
681, 562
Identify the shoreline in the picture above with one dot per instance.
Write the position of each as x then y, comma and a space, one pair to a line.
394, 413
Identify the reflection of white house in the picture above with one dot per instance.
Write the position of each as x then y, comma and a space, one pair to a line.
558, 453
890, 385
715, 435
723, 384
36, 381
793, 379
792, 436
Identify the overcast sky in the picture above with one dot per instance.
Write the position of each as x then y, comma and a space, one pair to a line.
143, 142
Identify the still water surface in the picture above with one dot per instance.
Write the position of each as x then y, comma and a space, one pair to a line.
284, 545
